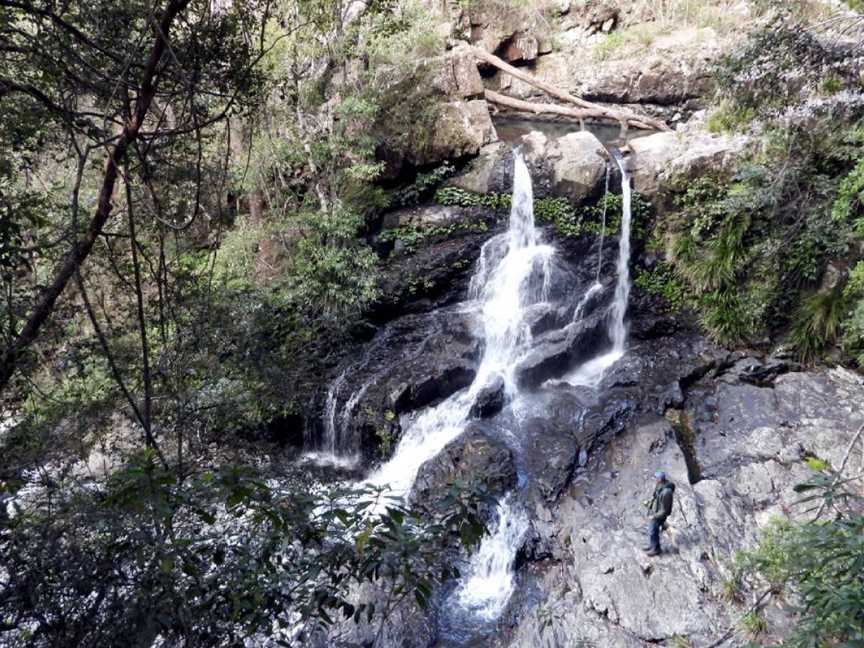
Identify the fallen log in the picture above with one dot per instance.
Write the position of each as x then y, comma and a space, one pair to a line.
624, 117
553, 109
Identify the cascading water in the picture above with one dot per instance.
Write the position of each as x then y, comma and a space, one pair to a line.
513, 273
622, 287
591, 373
489, 581
596, 287
513, 276
603, 225
580, 307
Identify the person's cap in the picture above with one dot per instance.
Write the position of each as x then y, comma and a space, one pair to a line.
660, 474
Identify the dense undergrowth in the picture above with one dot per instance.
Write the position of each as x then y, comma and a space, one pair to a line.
772, 250
193, 336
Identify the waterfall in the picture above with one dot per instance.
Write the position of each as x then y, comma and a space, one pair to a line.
596, 287
622, 288
512, 274
580, 307
489, 580
603, 226
330, 441
591, 373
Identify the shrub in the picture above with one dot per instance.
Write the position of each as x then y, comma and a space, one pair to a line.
818, 322
817, 560
218, 556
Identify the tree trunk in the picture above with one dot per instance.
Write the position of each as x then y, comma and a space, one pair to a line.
82, 248
548, 109
596, 110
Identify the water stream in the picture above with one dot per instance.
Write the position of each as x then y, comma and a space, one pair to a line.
590, 374
514, 274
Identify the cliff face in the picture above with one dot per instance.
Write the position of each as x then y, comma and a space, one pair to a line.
733, 429
750, 441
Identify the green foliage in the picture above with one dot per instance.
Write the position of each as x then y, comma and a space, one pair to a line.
712, 253
849, 204
749, 245
454, 196
730, 118
732, 587
818, 322
412, 236
661, 281
831, 85
385, 435
680, 641
819, 561
775, 67
853, 326
609, 46
329, 271
423, 185
218, 556
568, 219
754, 623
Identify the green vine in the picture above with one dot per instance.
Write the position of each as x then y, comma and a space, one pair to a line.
662, 282
568, 219
412, 236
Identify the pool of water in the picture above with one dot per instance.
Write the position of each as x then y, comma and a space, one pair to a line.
511, 130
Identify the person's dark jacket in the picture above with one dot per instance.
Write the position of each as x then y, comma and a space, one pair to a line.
661, 504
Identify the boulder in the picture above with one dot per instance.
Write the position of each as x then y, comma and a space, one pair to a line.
681, 155
443, 115
553, 69
456, 75
474, 459
598, 15
571, 166
650, 156
494, 25
657, 80
461, 128
489, 400
579, 166
490, 172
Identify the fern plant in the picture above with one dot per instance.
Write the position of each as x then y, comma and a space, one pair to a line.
818, 322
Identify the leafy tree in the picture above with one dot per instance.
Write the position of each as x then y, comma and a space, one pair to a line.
217, 557
819, 561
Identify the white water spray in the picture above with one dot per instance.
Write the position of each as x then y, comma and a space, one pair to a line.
489, 581
591, 373
513, 273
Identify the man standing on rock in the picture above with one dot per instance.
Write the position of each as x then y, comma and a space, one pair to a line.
659, 509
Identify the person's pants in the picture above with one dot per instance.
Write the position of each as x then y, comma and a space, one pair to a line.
654, 534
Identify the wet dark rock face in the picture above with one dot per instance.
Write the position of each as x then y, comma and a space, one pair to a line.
474, 459
415, 361
563, 348
490, 399
580, 458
